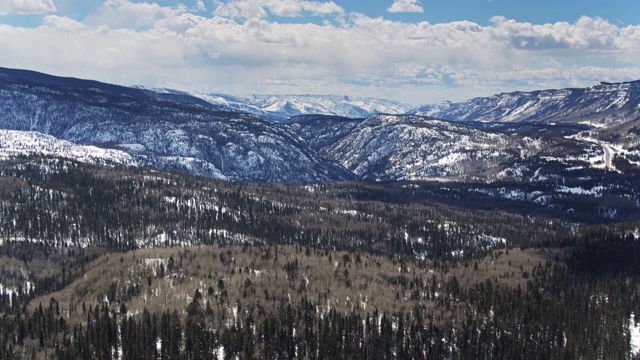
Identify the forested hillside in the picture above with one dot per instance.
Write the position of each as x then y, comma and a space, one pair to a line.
135, 263
290, 301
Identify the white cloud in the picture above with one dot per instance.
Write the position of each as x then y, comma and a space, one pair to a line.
62, 23
200, 6
145, 43
587, 33
252, 9
27, 6
406, 6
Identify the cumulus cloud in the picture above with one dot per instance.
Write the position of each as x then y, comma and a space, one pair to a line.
405, 6
252, 9
145, 43
587, 33
26, 6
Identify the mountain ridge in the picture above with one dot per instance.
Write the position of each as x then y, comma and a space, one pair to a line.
601, 105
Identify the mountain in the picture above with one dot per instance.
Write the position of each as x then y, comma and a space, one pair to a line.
399, 147
540, 167
177, 131
159, 130
601, 105
387, 147
279, 108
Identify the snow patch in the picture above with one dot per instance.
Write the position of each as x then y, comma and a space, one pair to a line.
634, 332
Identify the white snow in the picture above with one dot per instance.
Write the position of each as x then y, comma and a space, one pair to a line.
26, 289
27, 143
634, 331
595, 191
285, 106
220, 353
133, 147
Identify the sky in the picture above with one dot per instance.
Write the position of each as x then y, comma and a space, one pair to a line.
412, 51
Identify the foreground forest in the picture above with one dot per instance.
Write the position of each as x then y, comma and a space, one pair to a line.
139, 264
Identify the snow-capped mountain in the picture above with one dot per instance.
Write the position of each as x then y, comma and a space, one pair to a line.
279, 108
30, 143
171, 130
160, 132
604, 104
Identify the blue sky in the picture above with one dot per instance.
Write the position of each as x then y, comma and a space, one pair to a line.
416, 52
481, 11
434, 11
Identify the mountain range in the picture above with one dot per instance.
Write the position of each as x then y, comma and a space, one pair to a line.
279, 108
505, 137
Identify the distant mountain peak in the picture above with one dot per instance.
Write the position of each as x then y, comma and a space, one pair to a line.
279, 108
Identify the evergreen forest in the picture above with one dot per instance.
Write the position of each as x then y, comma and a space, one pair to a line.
135, 263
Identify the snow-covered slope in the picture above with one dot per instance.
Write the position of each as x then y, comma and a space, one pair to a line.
322, 131
279, 108
30, 143
604, 104
400, 147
